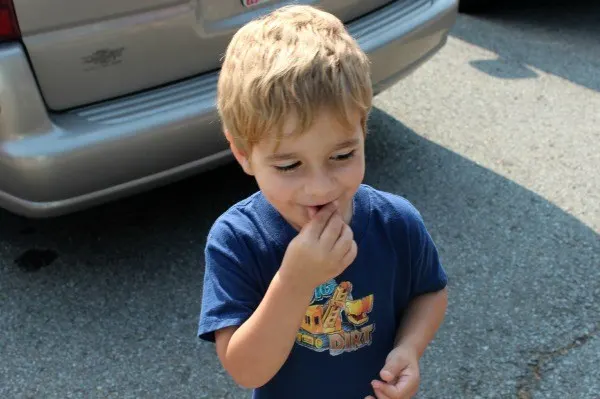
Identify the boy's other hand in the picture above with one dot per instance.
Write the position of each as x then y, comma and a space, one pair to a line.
400, 375
322, 250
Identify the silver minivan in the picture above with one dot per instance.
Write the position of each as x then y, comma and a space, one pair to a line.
102, 99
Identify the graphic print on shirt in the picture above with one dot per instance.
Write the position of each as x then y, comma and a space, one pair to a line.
336, 322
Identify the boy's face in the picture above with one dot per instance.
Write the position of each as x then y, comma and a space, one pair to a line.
324, 164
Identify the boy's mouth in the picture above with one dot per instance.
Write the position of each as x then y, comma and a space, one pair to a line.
314, 209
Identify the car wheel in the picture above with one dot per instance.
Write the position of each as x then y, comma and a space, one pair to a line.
471, 6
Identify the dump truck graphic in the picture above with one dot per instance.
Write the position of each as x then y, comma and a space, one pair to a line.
324, 326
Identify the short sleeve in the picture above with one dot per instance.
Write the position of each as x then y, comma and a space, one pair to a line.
230, 291
427, 272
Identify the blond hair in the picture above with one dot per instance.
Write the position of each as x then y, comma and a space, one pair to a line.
293, 62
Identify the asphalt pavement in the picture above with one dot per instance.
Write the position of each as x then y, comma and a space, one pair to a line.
495, 140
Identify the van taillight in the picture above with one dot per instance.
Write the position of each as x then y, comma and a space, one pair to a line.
9, 29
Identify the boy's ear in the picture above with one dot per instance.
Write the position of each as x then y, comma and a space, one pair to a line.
241, 157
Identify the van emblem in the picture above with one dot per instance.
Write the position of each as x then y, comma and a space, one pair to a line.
252, 3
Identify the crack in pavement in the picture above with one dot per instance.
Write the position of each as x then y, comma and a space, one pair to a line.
530, 381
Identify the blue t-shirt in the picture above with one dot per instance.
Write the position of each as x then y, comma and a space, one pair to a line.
350, 326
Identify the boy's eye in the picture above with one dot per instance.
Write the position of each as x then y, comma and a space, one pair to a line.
345, 156
295, 165
287, 168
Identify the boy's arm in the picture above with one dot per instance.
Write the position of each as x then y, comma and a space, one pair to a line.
423, 318
429, 296
400, 375
254, 352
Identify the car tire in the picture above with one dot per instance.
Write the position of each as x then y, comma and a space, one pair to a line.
473, 6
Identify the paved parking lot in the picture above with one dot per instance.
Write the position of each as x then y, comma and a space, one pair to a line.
496, 142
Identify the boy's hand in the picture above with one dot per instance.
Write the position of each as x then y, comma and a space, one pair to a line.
322, 250
400, 375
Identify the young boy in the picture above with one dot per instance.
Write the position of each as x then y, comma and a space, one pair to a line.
317, 286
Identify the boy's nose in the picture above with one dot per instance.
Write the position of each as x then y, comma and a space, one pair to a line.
320, 187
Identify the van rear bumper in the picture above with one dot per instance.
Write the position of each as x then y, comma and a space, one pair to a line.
57, 163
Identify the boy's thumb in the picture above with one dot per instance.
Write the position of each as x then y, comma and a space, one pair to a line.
389, 372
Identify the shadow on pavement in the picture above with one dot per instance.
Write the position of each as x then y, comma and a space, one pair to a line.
558, 37
125, 282
524, 275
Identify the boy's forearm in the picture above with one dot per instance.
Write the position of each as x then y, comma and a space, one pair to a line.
260, 346
423, 318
